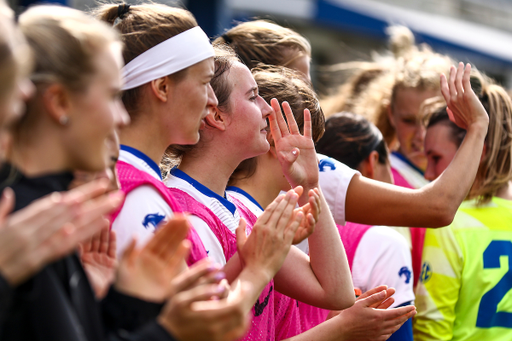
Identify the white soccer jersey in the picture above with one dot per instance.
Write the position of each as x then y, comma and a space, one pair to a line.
383, 257
248, 201
408, 171
144, 208
224, 209
334, 178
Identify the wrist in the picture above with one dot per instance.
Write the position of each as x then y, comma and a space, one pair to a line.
257, 275
479, 127
343, 327
304, 198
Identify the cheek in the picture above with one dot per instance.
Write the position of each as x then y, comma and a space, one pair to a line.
404, 134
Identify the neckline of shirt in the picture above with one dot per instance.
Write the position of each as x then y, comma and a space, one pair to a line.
203, 189
245, 194
408, 162
143, 157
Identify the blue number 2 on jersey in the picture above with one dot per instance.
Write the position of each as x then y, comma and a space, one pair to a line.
488, 316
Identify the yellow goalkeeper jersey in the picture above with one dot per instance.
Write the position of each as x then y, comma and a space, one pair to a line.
464, 288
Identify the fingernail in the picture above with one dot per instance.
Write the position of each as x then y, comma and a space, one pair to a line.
117, 196
219, 276
220, 289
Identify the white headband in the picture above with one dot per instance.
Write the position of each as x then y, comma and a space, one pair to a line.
168, 57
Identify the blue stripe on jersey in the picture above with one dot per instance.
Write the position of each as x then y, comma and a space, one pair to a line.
245, 194
203, 189
143, 157
407, 161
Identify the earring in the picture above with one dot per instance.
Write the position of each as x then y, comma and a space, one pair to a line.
64, 120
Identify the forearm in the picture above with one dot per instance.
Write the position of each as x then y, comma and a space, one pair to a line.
325, 276
254, 280
233, 268
431, 206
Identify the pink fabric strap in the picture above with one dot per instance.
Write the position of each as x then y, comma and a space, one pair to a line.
351, 235
226, 238
131, 177
262, 324
417, 233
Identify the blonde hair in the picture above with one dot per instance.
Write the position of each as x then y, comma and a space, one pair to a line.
416, 67
495, 169
15, 55
429, 107
262, 41
143, 27
65, 42
345, 98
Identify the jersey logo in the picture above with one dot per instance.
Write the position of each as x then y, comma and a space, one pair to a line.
404, 271
326, 163
426, 272
152, 219
259, 307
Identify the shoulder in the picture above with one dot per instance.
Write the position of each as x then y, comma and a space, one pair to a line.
387, 235
384, 243
330, 166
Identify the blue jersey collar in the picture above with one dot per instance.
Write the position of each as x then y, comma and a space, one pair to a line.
406, 160
203, 189
143, 157
245, 194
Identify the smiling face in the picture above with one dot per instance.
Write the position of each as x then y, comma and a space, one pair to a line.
246, 113
440, 150
191, 100
404, 117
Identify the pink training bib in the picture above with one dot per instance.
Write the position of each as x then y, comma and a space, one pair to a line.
131, 177
262, 324
417, 233
286, 309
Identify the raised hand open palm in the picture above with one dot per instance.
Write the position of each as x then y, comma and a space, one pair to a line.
295, 152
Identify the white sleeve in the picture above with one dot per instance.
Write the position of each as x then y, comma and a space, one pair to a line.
383, 257
143, 209
334, 178
210, 241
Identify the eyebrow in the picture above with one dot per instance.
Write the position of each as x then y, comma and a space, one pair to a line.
254, 89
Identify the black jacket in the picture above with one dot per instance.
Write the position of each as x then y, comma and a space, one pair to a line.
58, 303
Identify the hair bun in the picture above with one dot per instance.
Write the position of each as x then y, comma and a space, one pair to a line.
401, 40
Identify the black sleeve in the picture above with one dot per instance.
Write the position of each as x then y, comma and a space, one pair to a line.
6, 293
123, 312
150, 332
